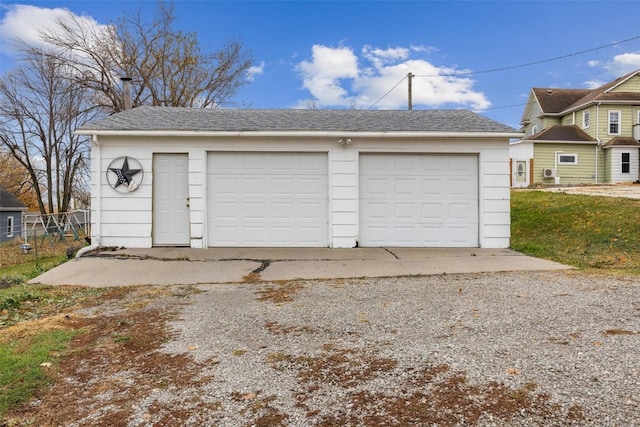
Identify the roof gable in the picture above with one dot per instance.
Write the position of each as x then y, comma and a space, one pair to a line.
612, 91
558, 101
8, 200
221, 120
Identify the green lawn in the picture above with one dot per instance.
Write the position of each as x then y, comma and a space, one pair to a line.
587, 232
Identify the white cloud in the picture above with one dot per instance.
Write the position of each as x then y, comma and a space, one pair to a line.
625, 63
619, 65
25, 22
323, 76
385, 56
336, 77
254, 71
593, 84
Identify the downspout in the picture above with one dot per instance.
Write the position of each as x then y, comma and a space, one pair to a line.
597, 138
97, 209
555, 166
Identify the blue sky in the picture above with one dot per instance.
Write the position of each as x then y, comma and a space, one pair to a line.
346, 54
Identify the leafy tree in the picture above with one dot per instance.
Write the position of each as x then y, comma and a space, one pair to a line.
15, 179
167, 66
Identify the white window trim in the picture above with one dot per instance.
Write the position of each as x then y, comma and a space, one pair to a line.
10, 226
534, 129
619, 113
563, 163
586, 119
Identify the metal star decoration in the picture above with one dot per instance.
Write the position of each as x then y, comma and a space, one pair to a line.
124, 174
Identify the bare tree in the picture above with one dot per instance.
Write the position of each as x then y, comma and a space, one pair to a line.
40, 109
167, 66
58, 89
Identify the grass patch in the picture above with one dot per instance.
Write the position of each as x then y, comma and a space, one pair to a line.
587, 232
29, 364
21, 302
14, 263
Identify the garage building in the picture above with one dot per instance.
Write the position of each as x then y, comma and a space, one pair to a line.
299, 178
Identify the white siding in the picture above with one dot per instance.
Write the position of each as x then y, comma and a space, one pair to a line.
615, 159
126, 219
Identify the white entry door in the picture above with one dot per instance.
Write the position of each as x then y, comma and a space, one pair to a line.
170, 200
267, 199
419, 200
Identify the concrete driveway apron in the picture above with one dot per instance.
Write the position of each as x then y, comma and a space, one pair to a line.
168, 266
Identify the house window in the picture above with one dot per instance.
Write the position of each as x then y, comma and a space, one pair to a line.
614, 122
567, 159
10, 226
534, 130
586, 119
626, 163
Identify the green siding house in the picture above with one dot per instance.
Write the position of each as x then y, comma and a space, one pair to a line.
582, 136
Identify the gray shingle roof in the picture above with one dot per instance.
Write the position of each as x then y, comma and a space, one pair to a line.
9, 202
218, 120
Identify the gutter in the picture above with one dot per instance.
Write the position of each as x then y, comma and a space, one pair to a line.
97, 218
280, 134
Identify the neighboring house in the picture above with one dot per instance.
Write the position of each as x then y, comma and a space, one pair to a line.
319, 178
581, 136
11, 210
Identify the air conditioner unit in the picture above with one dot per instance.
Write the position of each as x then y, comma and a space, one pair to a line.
548, 173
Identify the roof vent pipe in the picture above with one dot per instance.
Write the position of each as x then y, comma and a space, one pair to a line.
126, 93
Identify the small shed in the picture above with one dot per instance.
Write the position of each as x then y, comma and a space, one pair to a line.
11, 210
293, 178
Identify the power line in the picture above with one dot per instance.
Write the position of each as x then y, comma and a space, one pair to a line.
387, 93
528, 64
511, 67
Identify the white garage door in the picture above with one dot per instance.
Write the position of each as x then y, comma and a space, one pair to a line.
267, 199
420, 200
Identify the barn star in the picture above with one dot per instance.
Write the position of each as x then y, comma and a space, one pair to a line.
124, 174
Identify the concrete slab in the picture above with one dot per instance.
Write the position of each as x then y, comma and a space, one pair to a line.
108, 272
219, 254
623, 190
166, 266
405, 267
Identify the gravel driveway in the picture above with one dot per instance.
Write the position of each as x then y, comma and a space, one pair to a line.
548, 348
493, 349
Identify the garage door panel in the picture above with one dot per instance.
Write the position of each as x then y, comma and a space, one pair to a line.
418, 200
460, 211
375, 186
432, 212
405, 211
405, 186
282, 199
431, 187
311, 187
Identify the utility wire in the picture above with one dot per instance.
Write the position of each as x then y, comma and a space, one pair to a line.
528, 64
511, 67
388, 92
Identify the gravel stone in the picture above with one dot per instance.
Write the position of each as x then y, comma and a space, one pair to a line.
307, 352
